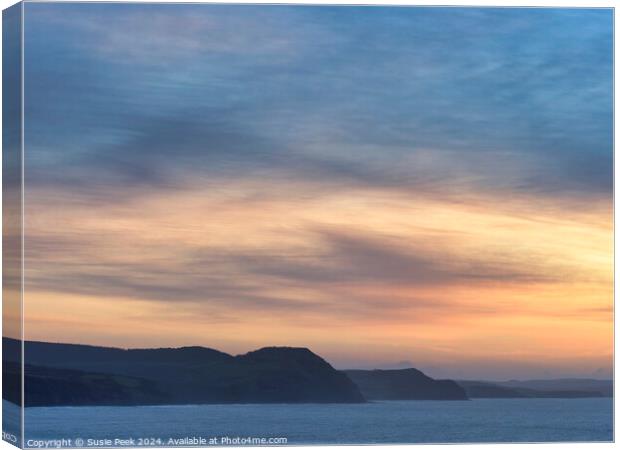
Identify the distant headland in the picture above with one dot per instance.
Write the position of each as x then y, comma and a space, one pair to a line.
83, 375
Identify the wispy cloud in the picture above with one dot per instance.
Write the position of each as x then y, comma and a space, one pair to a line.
302, 172
368, 94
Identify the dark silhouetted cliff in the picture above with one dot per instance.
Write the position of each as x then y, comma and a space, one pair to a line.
404, 384
78, 374
554, 388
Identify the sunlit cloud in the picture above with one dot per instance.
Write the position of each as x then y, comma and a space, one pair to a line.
359, 181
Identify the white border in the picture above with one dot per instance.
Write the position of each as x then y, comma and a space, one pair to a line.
477, 3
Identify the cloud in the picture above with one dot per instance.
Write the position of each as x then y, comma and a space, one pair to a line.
169, 34
325, 171
340, 96
354, 258
346, 273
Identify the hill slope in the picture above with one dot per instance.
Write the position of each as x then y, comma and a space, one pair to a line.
404, 384
603, 388
189, 375
560, 388
62, 387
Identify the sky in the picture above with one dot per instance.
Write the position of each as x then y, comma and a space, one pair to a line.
389, 187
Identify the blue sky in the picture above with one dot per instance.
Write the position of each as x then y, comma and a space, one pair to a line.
340, 92
413, 171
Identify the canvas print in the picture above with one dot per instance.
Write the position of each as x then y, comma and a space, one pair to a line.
230, 224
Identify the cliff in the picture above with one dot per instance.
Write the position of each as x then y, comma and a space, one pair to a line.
404, 384
553, 388
66, 374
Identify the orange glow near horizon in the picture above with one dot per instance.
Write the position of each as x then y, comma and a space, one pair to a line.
457, 282
389, 187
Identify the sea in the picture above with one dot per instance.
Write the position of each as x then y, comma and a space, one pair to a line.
380, 422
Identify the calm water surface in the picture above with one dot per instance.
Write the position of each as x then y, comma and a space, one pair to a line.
488, 420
